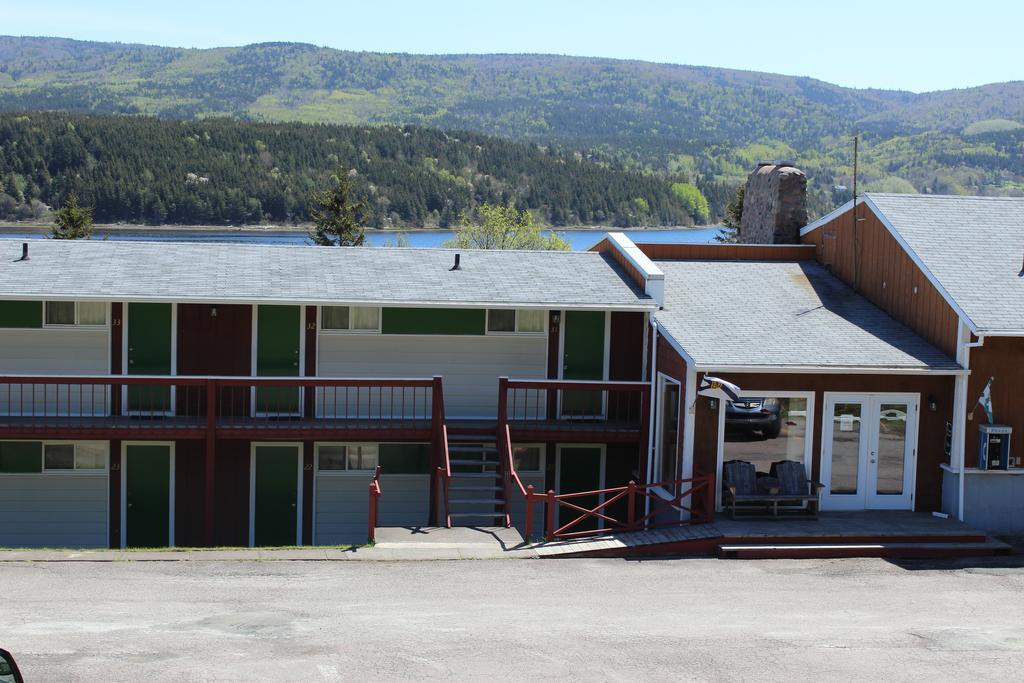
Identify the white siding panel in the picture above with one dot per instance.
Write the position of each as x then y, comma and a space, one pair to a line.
470, 366
53, 510
342, 507
54, 351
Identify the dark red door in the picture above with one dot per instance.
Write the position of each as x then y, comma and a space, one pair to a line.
214, 340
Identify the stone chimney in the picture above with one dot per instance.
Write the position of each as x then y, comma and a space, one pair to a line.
775, 204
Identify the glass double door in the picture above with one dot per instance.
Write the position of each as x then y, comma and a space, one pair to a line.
869, 445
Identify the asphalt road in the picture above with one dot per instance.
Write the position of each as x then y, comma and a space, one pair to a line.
513, 619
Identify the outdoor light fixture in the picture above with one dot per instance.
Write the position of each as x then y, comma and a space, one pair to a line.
556, 318
713, 403
213, 311
933, 403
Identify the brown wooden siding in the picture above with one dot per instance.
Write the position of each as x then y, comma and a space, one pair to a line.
231, 483
1003, 359
727, 252
872, 262
931, 430
214, 345
671, 364
114, 515
604, 246
626, 350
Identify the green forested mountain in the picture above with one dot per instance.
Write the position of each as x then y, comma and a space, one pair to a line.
700, 125
221, 170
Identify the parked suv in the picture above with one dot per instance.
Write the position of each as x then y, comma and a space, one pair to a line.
750, 415
8, 669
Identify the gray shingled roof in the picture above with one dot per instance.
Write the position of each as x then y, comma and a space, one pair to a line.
125, 271
973, 246
783, 314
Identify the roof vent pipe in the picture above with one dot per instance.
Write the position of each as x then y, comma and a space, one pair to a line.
458, 258
24, 252
1021, 273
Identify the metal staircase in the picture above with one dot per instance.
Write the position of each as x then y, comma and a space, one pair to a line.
476, 495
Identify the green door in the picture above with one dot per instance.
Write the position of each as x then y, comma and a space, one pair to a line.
149, 353
583, 358
277, 355
147, 496
275, 495
579, 469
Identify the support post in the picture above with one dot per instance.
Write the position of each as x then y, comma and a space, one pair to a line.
549, 529
371, 532
211, 441
631, 503
502, 402
645, 431
436, 421
529, 512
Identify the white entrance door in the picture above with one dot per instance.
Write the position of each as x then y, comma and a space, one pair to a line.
868, 451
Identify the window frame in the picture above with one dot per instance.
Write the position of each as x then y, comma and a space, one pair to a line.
78, 316
349, 330
76, 471
542, 462
362, 473
516, 331
768, 393
659, 457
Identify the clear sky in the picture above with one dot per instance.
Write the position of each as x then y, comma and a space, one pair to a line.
905, 44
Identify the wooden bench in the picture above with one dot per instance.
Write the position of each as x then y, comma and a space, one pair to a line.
788, 485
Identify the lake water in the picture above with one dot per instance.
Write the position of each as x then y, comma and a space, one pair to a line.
579, 239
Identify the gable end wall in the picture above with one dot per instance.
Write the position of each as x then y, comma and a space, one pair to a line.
885, 274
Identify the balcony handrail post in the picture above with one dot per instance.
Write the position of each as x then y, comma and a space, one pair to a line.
549, 527
502, 401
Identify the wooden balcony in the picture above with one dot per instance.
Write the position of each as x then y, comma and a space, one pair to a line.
160, 407
574, 410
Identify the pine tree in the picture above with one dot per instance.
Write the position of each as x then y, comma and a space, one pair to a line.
71, 221
335, 215
733, 217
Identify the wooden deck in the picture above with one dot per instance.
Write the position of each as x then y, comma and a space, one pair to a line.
833, 534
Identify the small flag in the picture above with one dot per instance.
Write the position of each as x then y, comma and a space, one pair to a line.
714, 387
986, 399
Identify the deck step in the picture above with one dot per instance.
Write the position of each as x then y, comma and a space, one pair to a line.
477, 501
486, 515
464, 461
884, 549
474, 475
464, 487
470, 448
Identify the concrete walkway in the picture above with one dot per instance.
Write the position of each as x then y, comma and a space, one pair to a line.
393, 544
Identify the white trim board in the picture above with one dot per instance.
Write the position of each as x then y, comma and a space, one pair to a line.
550, 305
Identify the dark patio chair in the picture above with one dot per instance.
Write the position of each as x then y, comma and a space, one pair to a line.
740, 487
795, 487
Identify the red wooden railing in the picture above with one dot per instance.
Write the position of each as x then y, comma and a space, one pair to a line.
375, 492
700, 506
512, 484
142, 401
584, 404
